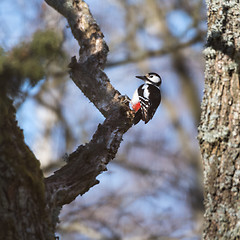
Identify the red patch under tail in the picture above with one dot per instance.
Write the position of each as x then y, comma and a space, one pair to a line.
136, 107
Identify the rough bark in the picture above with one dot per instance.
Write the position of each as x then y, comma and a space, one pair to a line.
88, 161
30, 205
22, 194
219, 130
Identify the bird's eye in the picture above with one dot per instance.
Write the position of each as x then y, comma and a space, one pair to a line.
151, 76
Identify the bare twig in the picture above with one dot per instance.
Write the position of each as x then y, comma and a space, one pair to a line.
157, 53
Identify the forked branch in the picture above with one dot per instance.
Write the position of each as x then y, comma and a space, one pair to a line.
88, 161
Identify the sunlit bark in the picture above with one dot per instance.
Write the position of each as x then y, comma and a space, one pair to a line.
220, 122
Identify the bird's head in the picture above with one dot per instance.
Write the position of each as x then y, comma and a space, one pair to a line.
151, 78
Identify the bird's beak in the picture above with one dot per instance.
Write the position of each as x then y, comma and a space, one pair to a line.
142, 77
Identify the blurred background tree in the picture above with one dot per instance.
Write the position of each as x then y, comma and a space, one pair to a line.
153, 188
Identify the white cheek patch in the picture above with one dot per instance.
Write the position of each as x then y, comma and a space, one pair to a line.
155, 79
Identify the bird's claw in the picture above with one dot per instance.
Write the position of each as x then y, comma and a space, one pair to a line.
124, 99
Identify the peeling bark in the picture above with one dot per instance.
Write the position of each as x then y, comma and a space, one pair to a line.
219, 130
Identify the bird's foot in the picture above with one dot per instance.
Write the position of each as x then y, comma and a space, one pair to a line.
124, 99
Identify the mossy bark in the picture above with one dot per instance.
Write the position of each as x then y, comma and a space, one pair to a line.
22, 193
219, 130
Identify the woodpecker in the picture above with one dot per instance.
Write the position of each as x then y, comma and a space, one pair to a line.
147, 97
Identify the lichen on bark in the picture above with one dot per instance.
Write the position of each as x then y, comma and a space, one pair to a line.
219, 128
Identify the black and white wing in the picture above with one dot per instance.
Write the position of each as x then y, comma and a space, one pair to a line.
150, 98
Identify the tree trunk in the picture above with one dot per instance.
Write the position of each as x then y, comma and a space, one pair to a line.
219, 130
22, 194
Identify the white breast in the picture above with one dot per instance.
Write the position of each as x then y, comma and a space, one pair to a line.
135, 98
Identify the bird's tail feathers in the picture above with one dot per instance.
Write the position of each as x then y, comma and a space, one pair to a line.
138, 117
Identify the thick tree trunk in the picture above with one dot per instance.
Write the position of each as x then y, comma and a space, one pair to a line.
22, 193
219, 130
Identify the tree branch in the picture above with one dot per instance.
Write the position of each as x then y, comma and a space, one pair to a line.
159, 52
86, 72
88, 161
